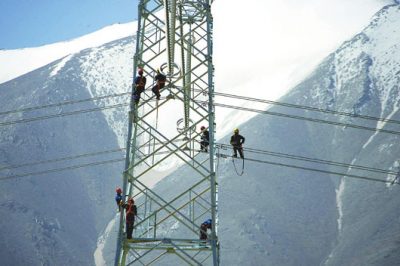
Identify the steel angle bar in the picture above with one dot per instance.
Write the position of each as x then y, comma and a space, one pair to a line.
165, 204
206, 258
203, 213
153, 23
157, 258
197, 109
135, 254
144, 254
144, 144
154, 108
155, 54
177, 197
174, 145
200, 78
185, 253
155, 9
200, 196
150, 47
170, 154
180, 208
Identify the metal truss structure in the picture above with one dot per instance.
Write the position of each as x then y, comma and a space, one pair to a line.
174, 37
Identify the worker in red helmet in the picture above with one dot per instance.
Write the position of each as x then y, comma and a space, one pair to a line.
130, 213
205, 139
140, 83
118, 198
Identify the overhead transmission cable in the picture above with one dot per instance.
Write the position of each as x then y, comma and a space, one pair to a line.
62, 159
216, 104
314, 170
306, 118
308, 108
63, 103
313, 160
63, 114
222, 146
290, 105
63, 169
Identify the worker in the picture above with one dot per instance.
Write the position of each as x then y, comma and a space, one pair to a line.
130, 213
140, 83
205, 139
160, 80
207, 224
237, 142
118, 198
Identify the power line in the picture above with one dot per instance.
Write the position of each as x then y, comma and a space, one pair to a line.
306, 118
61, 159
218, 155
309, 108
63, 114
63, 103
216, 104
62, 169
313, 160
314, 170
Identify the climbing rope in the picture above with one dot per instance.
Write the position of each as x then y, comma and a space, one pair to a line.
236, 170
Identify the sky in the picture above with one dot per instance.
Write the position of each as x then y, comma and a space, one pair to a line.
271, 43
31, 23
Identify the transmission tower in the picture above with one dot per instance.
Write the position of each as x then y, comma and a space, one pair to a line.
174, 37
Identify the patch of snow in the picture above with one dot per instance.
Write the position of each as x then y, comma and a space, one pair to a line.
101, 241
339, 203
60, 65
393, 178
379, 126
107, 71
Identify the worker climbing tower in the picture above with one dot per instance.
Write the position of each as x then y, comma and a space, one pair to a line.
174, 38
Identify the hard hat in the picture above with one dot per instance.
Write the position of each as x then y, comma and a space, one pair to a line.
202, 128
236, 130
140, 72
118, 190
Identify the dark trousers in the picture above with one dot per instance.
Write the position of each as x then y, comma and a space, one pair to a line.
203, 146
136, 94
156, 89
203, 232
129, 230
238, 149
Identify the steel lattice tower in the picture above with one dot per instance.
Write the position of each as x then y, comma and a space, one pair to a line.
175, 37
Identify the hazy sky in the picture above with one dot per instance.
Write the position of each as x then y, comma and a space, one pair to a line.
30, 23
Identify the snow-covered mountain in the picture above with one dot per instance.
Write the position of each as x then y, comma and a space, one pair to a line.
15, 63
283, 217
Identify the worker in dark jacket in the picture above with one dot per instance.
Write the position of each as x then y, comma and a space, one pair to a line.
205, 139
237, 142
140, 83
160, 80
131, 212
207, 224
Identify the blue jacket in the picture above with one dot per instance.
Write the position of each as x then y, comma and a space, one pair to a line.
118, 198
